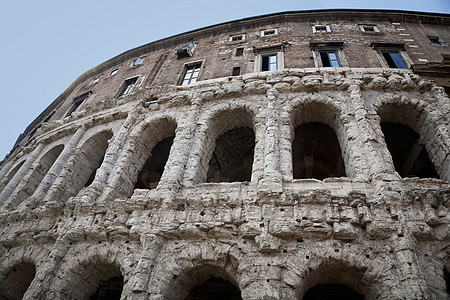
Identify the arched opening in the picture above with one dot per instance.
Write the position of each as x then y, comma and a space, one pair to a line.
110, 289
93, 279
16, 282
91, 157
39, 172
316, 152
214, 288
153, 168
232, 158
14, 171
408, 152
332, 291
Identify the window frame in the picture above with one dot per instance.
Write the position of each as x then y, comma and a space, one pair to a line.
315, 28
137, 62
187, 67
114, 71
267, 32
233, 36
381, 48
277, 51
364, 26
127, 88
77, 102
328, 47
236, 71
440, 42
239, 52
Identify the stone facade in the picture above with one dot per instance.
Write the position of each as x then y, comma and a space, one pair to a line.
169, 189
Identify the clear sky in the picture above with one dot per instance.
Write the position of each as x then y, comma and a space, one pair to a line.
47, 44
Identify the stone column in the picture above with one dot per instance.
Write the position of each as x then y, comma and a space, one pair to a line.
182, 144
15, 181
151, 246
110, 161
50, 192
370, 159
272, 178
58, 165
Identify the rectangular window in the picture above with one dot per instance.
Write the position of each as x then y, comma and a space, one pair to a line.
437, 41
191, 74
95, 80
236, 71
328, 54
237, 37
268, 32
77, 102
128, 86
393, 59
329, 59
138, 61
368, 28
269, 63
114, 71
321, 28
239, 51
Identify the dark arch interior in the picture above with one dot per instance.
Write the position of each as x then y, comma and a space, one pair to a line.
110, 289
409, 156
17, 281
153, 168
332, 291
14, 171
214, 288
316, 152
232, 158
95, 153
38, 174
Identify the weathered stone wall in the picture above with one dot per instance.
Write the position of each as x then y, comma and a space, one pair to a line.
273, 237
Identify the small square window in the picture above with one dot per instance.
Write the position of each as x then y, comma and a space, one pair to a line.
95, 80
437, 41
239, 51
128, 86
237, 37
368, 28
138, 61
236, 71
268, 32
191, 74
114, 71
321, 28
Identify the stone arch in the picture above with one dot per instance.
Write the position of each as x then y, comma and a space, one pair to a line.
89, 270
204, 280
424, 146
89, 159
234, 127
15, 282
19, 270
153, 143
11, 174
323, 118
177, 272
94, 279
331, 273
38, 173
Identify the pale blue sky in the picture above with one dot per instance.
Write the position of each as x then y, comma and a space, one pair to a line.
47, 44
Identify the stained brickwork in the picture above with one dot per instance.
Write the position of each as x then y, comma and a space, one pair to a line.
73, 224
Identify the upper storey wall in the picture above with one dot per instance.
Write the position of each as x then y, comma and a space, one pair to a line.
294, 34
